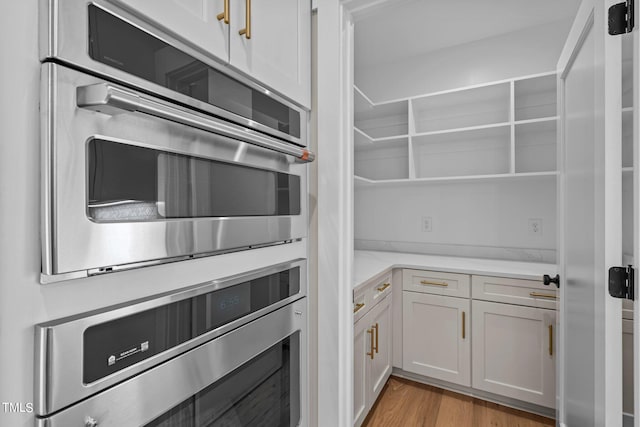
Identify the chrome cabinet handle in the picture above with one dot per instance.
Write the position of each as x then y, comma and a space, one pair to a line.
111, 99
246, 31
224, 15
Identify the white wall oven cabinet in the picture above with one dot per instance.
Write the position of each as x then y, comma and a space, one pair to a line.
372, 345
161, 158
513, 351
269, 41
436, 337
226, 352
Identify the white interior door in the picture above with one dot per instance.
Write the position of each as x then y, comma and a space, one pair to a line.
589, 189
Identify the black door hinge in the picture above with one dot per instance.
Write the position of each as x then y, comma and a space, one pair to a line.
621, 18
621, 282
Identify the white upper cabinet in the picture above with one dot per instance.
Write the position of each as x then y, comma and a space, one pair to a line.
274, 49
194, 21
278, 52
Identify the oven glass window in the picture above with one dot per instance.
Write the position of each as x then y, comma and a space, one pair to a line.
263, 392
119, 44
130, 183
112, 346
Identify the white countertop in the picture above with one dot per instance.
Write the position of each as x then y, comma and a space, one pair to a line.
369, 264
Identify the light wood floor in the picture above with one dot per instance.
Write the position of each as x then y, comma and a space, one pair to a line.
405, 403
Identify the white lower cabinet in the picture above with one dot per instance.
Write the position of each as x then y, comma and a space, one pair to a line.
436, 337
372, 357
513, 351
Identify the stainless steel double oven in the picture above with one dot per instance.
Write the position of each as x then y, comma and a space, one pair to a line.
227, 353
153, 151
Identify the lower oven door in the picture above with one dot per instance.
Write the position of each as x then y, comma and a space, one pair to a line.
127, 188
252, 376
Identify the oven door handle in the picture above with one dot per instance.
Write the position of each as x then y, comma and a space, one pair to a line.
111, 99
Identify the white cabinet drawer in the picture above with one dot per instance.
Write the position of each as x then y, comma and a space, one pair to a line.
368, 295
513, 291
434, 282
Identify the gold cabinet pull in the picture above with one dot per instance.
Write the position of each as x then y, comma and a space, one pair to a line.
464, 325
377, 332
358, 307
246, 31
224, 15
383, 287
551, 340
540, 295
430, 282
370, 331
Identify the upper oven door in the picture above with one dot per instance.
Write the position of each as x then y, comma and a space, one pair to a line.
126, 188
97, 36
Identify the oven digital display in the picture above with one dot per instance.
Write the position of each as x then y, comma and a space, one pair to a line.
115, 345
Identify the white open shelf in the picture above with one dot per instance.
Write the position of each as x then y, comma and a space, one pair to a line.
535, 146
500, 130
365, 182
382, 120
472, 152
462, 109
383, 160
535, 98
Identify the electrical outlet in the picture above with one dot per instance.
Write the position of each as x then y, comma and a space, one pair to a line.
427, 224
535, 227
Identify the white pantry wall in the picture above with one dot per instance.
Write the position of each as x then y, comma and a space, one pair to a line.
530, 51
484, 219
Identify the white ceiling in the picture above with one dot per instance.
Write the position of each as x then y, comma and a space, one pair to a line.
405, 28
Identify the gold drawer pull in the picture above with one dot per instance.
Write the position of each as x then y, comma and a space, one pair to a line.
464, 325
246, 31
550, 340
383, 287
224, 15
429, 282
370, 331
377, 332
539, 295
358, 307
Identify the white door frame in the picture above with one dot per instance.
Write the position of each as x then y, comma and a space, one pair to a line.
636, 214
335, 214
607, 311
